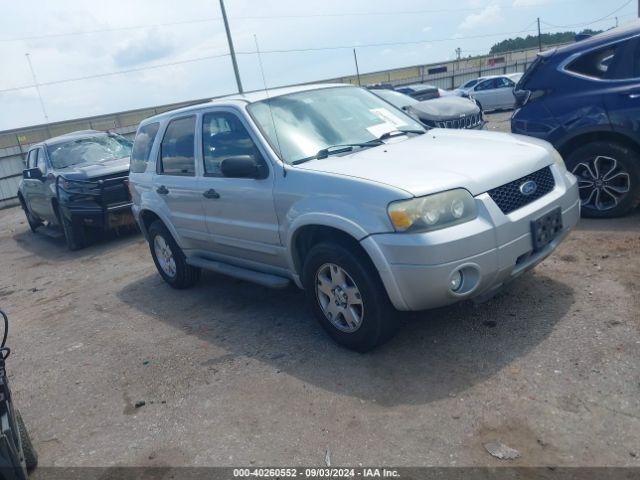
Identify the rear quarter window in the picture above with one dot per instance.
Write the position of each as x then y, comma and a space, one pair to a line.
595, 64
142, 147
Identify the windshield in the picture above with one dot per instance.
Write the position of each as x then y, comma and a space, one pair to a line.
307, 122
397, 99
89, 150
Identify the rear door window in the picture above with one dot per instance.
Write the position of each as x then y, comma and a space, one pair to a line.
142, 147
177, 151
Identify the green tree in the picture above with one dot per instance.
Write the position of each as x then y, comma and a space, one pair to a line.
531, 41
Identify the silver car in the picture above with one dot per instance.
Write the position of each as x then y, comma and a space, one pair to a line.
333, 189
492, 92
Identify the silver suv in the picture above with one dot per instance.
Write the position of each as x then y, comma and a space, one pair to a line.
337, 191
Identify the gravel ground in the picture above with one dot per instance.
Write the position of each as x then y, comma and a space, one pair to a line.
235, 374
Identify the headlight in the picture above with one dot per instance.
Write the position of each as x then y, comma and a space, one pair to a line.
559, 161
433, 211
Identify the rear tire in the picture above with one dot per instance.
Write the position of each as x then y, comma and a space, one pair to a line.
74, 233
608, 178
34, 222
30, 454
352, 306
169, 258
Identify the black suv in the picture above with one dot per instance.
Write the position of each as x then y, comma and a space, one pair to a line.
584, 98
78, 181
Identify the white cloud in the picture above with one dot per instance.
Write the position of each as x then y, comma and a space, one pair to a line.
490, 15
426, 29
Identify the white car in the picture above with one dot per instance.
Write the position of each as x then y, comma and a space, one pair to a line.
492, 93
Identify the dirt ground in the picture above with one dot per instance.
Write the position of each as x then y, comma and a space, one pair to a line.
235, 374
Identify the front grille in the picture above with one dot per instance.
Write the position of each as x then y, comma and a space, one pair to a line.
509, 197
112, 189
469, 121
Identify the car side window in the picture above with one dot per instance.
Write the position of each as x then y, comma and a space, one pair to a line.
504, 82
142, 147
31, 158
224, 136
177, 152
595, 64
486, 85
41, 162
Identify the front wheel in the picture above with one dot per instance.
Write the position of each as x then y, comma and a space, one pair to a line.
347, 297
74, 232
170, 259
608, 178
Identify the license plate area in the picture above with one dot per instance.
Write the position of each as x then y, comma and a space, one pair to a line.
546, 228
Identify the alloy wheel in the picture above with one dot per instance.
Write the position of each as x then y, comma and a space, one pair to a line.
164, 255
339, 298
602, 182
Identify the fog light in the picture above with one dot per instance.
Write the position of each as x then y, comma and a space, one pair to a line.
456, 281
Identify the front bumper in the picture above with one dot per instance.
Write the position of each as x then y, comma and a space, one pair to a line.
107, 218
491, 250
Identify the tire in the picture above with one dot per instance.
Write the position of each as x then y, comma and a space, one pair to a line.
30, 454
375, 318
184, 275
74, 233
608, 178
34, 222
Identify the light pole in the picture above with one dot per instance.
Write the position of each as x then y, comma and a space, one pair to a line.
232, 51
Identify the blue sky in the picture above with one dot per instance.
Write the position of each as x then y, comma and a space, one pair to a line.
133, 35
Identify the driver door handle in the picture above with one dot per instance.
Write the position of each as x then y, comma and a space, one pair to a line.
162, 190
211, 193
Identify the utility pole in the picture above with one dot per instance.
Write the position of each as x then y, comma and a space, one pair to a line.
232, 51
355, 58
35, 82
539, 35
616, 22
638, 8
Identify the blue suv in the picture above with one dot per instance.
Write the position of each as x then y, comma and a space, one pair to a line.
584, 98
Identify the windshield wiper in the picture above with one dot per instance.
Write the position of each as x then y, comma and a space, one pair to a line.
397, 133
335, 149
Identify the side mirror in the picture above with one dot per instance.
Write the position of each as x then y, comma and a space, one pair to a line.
241, 166
32, 173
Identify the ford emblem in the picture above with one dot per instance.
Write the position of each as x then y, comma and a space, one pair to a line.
528, 188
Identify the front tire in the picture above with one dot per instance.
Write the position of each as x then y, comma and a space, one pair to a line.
170, 259
608, 178
74, 233
347, 297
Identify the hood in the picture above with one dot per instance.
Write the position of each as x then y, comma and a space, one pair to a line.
99, 169
445, 108
443, 159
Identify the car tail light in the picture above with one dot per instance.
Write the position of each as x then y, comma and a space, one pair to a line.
522, 97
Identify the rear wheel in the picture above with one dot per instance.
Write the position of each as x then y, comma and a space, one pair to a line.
608, 178
347, 297
34, 222
170, 259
